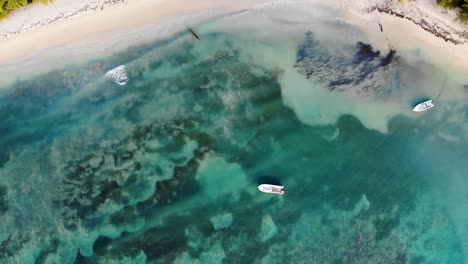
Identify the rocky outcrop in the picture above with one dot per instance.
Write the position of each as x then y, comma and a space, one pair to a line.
364, 71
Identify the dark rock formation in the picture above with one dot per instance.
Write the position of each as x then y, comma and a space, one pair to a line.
364, 70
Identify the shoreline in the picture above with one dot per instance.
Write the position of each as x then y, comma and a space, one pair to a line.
47, 14
406, 35
136, 13
424, 25
161, 18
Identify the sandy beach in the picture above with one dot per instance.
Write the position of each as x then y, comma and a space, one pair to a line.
57, 25
119, 17
402, 34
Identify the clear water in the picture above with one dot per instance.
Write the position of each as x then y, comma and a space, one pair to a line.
166, 168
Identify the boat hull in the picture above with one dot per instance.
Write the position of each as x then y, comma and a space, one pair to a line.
273, 189
426, 105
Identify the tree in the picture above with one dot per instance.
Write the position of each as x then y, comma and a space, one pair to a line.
6, 6
462, 4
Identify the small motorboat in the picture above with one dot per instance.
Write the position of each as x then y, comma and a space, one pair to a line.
269, 188
426, 105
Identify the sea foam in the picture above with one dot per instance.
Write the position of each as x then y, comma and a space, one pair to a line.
119, 75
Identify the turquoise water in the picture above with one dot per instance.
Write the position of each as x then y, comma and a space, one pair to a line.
165, 169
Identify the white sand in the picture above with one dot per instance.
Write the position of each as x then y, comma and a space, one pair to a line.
67, 21
37, 15
84, 23
404, 35
113, 19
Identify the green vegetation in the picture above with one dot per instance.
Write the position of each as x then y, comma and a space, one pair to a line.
6, 6
462, 4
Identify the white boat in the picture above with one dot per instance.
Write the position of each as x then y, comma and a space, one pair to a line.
426, 105
269, 188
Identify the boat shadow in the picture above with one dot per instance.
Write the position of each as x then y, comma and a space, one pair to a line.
268, 179
419, 100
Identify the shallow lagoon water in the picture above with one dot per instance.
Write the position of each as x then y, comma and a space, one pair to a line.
165, 169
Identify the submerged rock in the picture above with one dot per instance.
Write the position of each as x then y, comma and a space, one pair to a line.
220, 178
221, 221
365, 52
268, 229
119, 75
3, 199
361, 205
359, 68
